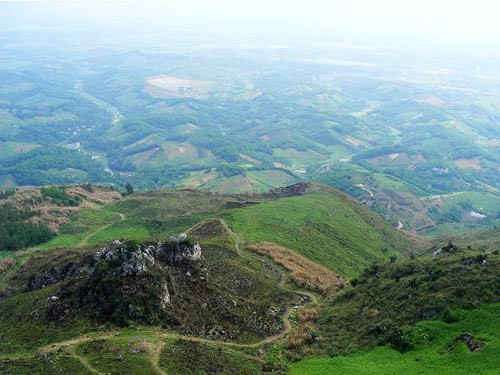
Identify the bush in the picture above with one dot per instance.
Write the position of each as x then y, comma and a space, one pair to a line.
59, 196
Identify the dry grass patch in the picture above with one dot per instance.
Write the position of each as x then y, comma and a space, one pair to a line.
473, 163
303, 272
300, 340
6, 263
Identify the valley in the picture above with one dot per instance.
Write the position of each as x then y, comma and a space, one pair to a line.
235, 120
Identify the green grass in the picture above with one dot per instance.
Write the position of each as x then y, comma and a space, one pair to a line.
184, 357
102, 355
325, 227
459, 206
270, 179
53, 363
24, 328
442, 354
139, 217
388, 299
385, 181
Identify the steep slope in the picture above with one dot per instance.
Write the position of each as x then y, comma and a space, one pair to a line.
426, 315
324, 225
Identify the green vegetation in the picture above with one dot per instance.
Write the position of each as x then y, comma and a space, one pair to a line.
437, 349
326, 227
388, 299
185, 357
59, 196
323, 225
17, 232
118, 355
411, 314
53, 363
106, 123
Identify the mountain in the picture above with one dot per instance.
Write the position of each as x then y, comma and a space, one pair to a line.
302, 279
99, 287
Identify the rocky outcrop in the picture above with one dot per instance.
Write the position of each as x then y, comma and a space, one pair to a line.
448, 249
300, 188
56, 274
165, 284
132, 259
128, 261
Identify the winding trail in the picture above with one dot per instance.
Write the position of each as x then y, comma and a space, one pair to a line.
444, 195
155, 358
363, 187
85, 363
156, 336
85, 241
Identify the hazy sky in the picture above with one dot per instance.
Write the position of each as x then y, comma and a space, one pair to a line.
451, 23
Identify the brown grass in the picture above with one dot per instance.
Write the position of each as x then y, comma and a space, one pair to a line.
53, 215
303, 272
473, 163
6, 263
300, 340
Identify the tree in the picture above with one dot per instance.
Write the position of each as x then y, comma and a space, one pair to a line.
129, 189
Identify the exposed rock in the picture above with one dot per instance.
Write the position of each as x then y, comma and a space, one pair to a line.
53, 276
128, 261
479, 259
134, 259
468, 340
164, 296
300, 188
450, 248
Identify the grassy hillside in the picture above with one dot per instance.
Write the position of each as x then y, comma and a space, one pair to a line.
243, 291
418, 316
325, 226
240, 312
440, 349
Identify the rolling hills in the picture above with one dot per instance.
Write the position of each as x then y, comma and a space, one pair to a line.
241, 120
302, 279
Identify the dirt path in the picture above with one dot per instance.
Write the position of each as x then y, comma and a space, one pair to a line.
365, 189
86, 239
54, 347
156, 335
84, 361
155, 358
444, 195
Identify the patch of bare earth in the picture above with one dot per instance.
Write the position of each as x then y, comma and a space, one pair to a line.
303, 272
250, 159
472, 163
53, 215
165, 86
6, 263
355, 141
